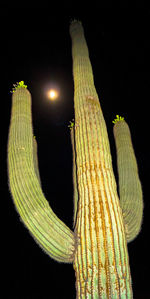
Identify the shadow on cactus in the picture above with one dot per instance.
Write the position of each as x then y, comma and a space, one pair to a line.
103, 224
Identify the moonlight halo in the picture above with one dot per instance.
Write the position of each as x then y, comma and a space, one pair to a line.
52, 94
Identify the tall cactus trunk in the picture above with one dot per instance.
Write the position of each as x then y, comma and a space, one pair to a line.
101, 258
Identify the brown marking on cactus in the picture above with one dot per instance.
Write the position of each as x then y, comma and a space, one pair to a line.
92, 103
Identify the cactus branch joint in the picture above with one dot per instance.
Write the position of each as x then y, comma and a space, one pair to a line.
103, 221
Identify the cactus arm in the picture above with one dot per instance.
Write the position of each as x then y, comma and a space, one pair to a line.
101, 258
75, 185
49, 231
129, 183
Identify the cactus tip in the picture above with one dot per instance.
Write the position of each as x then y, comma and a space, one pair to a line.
117, 119
73, 21
18, 85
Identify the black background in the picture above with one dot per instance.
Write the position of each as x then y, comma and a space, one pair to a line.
36, 48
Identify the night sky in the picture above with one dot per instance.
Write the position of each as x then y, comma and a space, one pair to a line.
36, 48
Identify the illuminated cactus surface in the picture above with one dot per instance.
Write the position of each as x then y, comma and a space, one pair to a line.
103, 224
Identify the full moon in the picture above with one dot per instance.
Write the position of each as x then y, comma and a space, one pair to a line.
52, 94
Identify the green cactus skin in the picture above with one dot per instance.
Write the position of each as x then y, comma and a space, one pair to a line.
130, 189
51, 233
102, 224
101, 258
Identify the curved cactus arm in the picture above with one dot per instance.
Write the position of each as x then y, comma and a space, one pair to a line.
48, 230
130, 188
75, 184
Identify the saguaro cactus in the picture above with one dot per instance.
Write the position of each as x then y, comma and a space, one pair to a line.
102, 224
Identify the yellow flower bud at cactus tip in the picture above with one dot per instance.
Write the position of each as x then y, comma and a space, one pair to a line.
18, 85
118, 118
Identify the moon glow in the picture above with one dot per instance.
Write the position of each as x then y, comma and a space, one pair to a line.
52, 94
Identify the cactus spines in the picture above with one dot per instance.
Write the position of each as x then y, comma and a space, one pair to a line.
102, 224
130, 189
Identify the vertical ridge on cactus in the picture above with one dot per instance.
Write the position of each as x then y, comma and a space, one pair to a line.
103, 224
